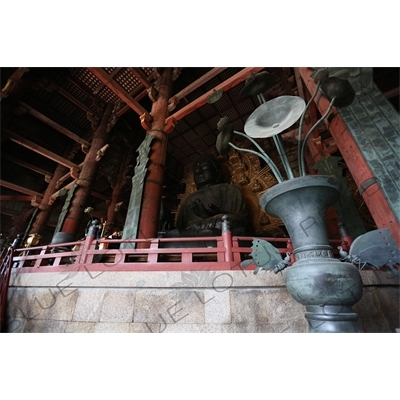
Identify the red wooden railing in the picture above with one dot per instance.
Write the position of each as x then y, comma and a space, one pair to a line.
220, 253
225, 252
6, 260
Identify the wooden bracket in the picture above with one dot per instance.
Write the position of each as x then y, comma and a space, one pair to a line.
74, 172
85, 149
153, 93
47, 178
172, 103
145, 120
35, 202
101, 152
170, 124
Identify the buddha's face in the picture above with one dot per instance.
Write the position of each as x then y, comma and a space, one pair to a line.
204, 174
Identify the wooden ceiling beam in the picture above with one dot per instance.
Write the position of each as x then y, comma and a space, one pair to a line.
74, 100
18, 188
33, 168
81, 86
116, 88
4, 197
54, 125
140, 96
102, 85
199, 82
202, 100
40, 150
141, 76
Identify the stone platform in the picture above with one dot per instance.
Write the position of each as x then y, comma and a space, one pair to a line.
178, 301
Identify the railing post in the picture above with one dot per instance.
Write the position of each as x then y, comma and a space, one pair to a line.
227, 238
152, 258
345, 237
92, 233
289, 249
235, 251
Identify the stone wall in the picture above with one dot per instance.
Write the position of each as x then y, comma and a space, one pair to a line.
188, 302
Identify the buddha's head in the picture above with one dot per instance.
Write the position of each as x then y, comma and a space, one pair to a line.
206, 171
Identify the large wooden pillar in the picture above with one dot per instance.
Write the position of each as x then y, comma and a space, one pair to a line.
152, 192
40, 223
86, 176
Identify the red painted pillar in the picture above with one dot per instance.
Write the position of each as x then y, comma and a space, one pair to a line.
152, 191
40, 223
88, 172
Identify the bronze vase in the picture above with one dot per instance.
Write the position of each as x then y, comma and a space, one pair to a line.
325, 285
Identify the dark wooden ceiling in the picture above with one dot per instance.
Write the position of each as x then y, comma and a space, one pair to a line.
49, 107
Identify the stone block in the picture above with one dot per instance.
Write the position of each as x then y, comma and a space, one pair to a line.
389, 304
195, 328
154, 306
45, 326
264, 306
109, 327
368, 305
298, 326
80, 327
217, 307
189, 308
89, 304
138, 327
118, 305
376, 324
41, 303
248, 306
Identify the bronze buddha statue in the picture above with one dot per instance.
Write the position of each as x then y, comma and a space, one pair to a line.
201, 212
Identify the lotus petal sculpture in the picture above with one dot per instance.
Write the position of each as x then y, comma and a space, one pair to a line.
274, 116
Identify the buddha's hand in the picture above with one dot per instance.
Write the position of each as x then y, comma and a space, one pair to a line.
201, 211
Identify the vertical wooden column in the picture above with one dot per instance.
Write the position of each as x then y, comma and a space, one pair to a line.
151, 202
116, 195
87, 174
39, 225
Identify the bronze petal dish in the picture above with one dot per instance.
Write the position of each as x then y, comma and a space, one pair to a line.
274, 116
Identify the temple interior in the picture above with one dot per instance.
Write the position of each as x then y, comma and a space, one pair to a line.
112, 150
47, 111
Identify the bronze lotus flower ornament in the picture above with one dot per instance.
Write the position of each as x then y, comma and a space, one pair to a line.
274, 116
